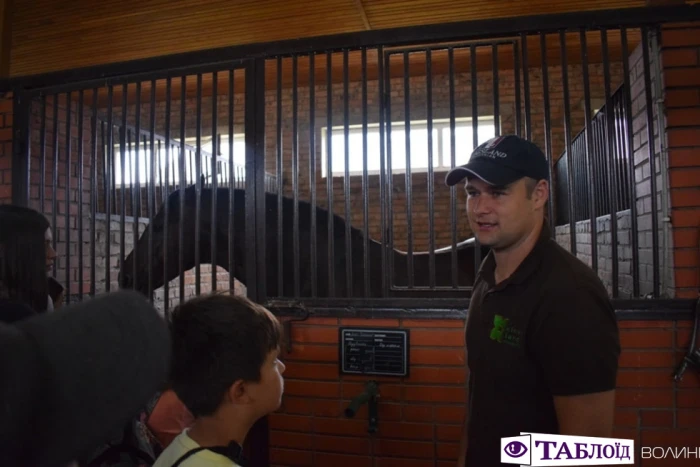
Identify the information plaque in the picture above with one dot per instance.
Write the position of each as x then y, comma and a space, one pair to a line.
367, 351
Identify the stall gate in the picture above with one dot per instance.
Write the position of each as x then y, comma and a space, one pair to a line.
310, 175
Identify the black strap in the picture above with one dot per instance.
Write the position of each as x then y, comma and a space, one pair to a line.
233, 451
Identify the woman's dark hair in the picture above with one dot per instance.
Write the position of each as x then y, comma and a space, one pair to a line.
23, 256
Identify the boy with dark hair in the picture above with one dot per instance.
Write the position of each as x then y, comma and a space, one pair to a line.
226, 370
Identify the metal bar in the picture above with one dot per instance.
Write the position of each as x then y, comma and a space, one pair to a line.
123, 155
21, 150
496, 109
431, 175
54, 197
198, 194
475, 138
81, 174
231, 192
516, 74
526, 86
400, 50
329, 173
384, 99
152, 187
214, 177
295, 173
453, 163
628, 126
183, 182
407, 173
108, 165
567, 138
365, 179
612, 168
464, 30
591, 172
42, 160
547, 125
280, 185
346, 178
388, 228
93, 192
136, 184
313, 246
651, 147
69, 148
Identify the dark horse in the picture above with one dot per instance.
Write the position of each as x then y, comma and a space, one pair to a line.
443, 257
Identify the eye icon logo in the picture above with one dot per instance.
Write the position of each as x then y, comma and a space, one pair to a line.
515, 449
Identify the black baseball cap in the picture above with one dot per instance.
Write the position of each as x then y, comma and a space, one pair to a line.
501, 161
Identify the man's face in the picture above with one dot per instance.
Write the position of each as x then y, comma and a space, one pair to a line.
50, 252
502, 216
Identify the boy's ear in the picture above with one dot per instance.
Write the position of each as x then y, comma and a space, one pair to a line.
238, 393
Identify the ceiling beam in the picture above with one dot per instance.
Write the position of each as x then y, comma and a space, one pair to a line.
363, 14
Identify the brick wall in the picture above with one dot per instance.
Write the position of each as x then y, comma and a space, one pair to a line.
6, 102
680, 55
420, 416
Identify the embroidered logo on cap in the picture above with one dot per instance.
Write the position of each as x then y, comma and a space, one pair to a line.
489, 149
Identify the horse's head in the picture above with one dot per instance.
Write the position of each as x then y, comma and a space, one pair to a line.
134, 273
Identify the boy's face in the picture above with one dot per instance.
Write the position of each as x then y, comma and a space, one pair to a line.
267, 393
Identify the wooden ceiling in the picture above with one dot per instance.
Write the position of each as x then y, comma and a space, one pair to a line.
55, 35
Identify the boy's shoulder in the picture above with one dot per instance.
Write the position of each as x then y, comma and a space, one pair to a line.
181, 445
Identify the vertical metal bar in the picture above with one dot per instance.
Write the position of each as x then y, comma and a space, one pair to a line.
611, 165
385, 188
198, 193
588, 130
93, 192
567, 138
81, 174
628, 126
183, 181
516, 73
329, 173
295, 172
348, 217
69, 148
108, 164
365, 179
231, 192
54, 197
313, 246
547, 122
214, 176
42, 161
475, 137
651, 148
496, 109
526, 87
152, 187
453, 163
431, 174
136, 184
280, 185
123, 155
408, 177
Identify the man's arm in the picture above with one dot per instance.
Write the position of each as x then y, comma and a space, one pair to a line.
587, 414
577, 346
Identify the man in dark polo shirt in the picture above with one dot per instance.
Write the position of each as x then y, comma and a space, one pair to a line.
541, 336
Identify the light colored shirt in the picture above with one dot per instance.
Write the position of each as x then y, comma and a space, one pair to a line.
181, 445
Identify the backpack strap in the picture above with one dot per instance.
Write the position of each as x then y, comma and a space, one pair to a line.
233, 451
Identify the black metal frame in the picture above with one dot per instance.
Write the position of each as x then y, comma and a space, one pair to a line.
253, 57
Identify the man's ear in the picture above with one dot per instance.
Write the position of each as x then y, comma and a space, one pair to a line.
541, 193
238, 393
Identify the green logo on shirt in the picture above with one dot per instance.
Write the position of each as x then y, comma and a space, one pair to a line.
503, 332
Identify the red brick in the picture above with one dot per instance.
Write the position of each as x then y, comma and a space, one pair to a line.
686, 217
685, 197
685, 258
679, 58
688, 398
314, 335
389, 323
290, 457
682, 97
424, 356
657, 418
415, 449
682, 137
436, 338
645, 324
433, 323
313, 352
405, 430
387, 392
679, 37
311, 371
448, 450
449, 433
667, 438
418, 413
685, 238
296, 405
434, 394
683, 117
688, 418
650, 359
687, 177
317, 389
652, 398
345, 427
644, 379
647, 339
323, 458
626, 418
397, 462
342, 445
438, 375
326, 408
687, 278
280, 421
280, 439
450, 414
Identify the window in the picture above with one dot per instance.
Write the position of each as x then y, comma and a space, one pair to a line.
442, 149
161, 155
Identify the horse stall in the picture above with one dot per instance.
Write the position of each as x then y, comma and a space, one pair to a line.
309, 176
